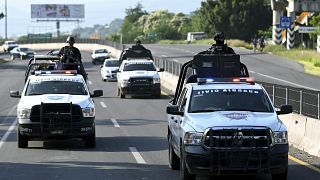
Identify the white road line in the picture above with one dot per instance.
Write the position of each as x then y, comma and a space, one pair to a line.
90, 82
103, 104
295, 84
6, 135
115, 123
164, 56
137, 155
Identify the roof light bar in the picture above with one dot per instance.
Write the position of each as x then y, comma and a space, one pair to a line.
249, 80
56, 72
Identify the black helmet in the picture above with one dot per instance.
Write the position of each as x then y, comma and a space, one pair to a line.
138, 42
219, 37
70, 39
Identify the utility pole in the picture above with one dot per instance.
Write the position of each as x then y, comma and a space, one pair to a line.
6, 20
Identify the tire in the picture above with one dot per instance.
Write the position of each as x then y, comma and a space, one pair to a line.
184, 173
21, 58
118, 92
93, 62
158, 95
281, 176
90, 141
173, 158
22, 140
12, 57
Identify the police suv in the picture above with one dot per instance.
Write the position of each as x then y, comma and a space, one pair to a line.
225, 126
55, 105
138, 77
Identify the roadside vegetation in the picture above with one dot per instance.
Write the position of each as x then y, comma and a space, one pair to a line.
2, 61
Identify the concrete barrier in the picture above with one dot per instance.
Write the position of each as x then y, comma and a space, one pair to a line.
80, 46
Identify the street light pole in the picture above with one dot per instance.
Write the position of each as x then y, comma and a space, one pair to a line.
6, 20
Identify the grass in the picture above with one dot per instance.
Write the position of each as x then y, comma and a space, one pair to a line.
2, 61
309, 58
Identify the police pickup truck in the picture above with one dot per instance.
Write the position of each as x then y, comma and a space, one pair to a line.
221, 122
55, 105
138, 77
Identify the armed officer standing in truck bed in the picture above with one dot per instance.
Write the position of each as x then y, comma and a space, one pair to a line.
220, 47
70, 54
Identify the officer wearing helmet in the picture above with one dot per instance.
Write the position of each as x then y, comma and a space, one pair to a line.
70, 54
219, 47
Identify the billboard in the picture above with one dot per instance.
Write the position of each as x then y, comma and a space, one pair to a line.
57, 11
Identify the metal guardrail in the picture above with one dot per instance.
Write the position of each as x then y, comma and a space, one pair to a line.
305, 102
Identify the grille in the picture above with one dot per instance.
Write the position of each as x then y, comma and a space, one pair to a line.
114, 72
141, 81
56, 113
238, 138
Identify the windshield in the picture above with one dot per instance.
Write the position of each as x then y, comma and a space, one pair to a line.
25, 49
101, 51
211, 100
55, 87
112, 63
139, 66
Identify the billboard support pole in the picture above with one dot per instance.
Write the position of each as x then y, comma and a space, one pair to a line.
58, 28
6, 20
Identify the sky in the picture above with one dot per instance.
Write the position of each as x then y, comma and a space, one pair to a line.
96, 12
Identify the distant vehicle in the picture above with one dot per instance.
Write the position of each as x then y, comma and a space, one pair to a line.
22, 53
56, 105
99, 55
9, 45
109, 69
138, 77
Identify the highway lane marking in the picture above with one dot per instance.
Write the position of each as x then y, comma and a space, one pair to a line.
11, 128
103, 104
278, 79
164, 56
6, 135
115, 123
304, 164
90, 82
137, 155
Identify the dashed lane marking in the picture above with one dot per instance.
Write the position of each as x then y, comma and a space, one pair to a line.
115, 123
304, 164
137, 155
164, 55
90, 82
6, 135
103, 104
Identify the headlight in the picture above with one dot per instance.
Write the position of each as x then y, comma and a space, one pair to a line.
88, 112
124, 83
280, 137
193, 138
156, 80
24, 113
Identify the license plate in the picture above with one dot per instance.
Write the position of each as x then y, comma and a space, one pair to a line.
57, 132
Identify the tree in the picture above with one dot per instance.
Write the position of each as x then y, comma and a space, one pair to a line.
239, 19
130, 29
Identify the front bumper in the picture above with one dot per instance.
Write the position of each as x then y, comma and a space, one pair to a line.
110, 77
236, 162
39, 130
151, 89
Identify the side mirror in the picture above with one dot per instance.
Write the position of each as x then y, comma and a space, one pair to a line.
285, 109
174, 110
97, 93
15, 94
161, 70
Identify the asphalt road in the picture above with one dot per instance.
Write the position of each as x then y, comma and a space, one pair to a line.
262, 66
131, 139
